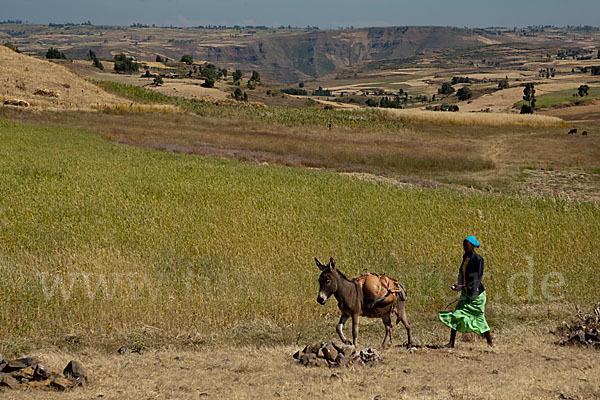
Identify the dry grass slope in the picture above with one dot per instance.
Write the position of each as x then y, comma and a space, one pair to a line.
477, 119
22, 76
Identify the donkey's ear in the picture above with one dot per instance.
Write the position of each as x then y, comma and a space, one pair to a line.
331, 263
321, 266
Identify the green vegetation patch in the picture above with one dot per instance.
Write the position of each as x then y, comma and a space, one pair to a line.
289, 116
563, 98
100, 239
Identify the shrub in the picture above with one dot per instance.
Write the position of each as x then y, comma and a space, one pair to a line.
296, 92
158, 81
583, 90
12, 47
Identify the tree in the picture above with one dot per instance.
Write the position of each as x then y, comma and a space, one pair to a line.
91, 54
224, 72
209, 83
503, 84
371, 103
237, 75
595, 70
301, 84
209, 71
187, 59
464, 93
528, 96
54, 53
158, 81
386, 102
159, 59
98, 64
321, 92
237, 94
124, 64
255, 77
598, 56
446, 89
583, 90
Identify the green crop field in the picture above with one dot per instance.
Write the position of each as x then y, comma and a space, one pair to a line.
563, 97
99, 240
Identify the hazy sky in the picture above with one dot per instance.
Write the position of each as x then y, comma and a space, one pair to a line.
322, 13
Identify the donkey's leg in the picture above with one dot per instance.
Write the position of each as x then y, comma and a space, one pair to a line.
339, 328
387, 323
402, 316
355, 318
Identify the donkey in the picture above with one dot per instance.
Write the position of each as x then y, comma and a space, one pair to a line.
353, 302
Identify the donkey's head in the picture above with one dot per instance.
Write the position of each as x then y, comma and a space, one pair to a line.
328, 282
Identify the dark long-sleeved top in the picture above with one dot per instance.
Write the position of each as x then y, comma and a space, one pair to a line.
471, 274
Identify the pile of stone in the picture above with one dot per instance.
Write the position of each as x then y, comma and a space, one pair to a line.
328, 354
16, 102
31, 373
47, 92
583, 330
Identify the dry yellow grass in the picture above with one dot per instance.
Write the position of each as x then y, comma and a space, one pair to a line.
22, 75
534, 368
476, 119
190, 89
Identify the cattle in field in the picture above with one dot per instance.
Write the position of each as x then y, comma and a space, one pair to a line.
572, 131
584, 133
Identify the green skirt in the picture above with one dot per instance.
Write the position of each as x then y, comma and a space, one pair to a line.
469, 314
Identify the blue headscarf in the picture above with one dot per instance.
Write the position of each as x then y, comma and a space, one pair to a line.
472, 240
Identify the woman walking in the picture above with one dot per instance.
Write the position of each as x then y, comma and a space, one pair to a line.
469, 314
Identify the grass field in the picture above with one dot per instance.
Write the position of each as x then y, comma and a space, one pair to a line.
564, 98
103, 243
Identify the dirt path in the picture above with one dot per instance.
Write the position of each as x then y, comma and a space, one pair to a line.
520, 366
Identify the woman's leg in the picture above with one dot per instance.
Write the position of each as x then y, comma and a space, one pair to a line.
452, 339
488, 337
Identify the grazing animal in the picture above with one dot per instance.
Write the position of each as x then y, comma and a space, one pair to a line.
354, 302
584, 133
572, 131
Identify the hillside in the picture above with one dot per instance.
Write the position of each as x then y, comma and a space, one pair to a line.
56, 87
294, 57
285, 55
